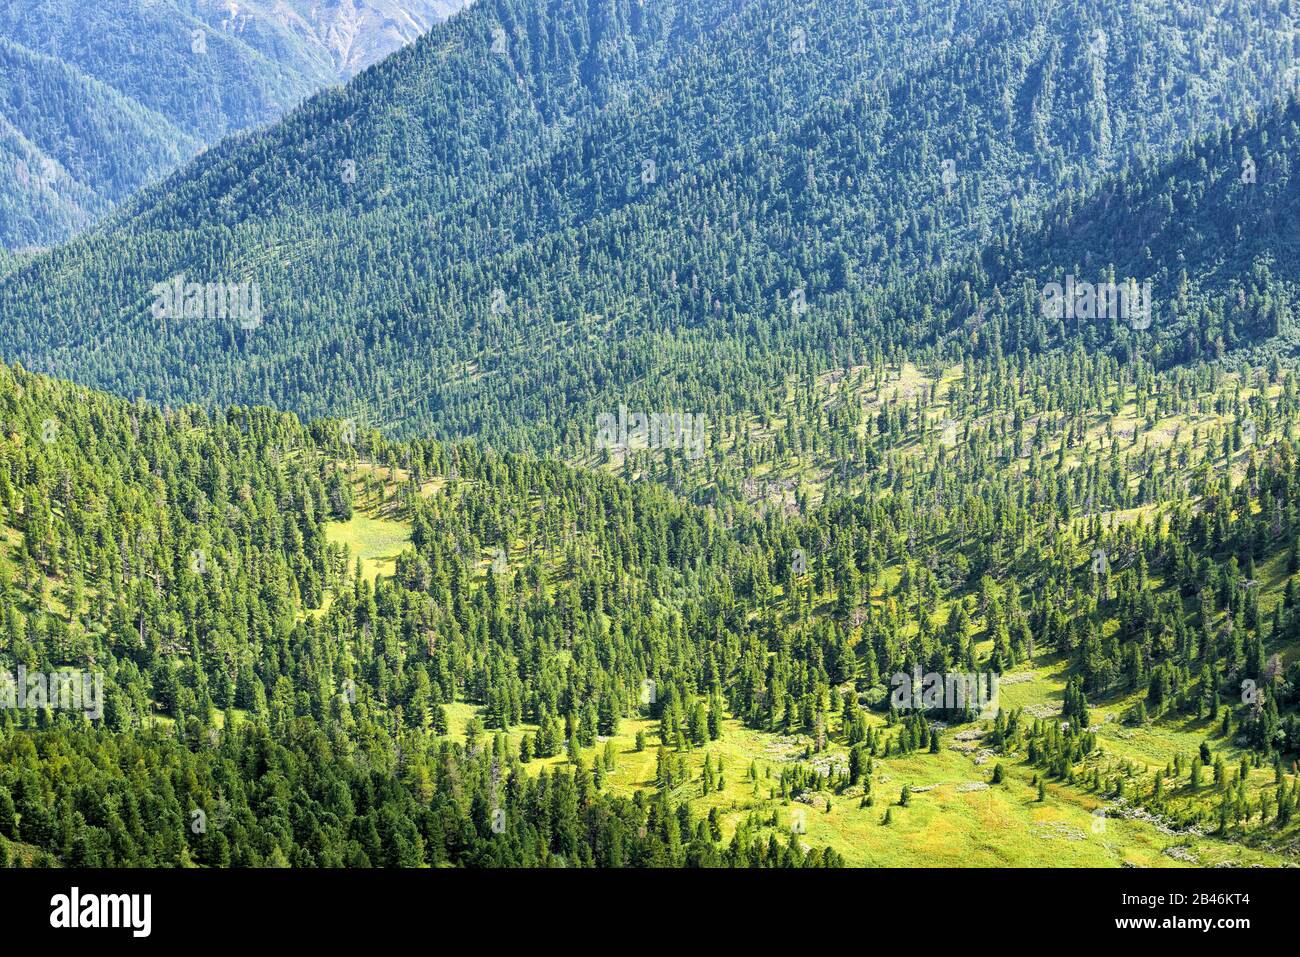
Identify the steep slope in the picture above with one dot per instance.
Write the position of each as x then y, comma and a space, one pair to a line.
74, 146
185, 562
1211, 232
185, 73
506, 242
548, 623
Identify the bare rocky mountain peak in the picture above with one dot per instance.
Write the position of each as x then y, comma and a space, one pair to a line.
353, 33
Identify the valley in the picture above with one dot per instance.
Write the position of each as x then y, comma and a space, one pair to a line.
545, 435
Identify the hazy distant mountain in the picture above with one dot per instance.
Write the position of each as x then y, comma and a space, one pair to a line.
355, 33
99, 99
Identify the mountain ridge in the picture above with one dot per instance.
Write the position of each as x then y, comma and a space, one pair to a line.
196, 70
614, 211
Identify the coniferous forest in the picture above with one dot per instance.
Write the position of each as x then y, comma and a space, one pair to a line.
644, 434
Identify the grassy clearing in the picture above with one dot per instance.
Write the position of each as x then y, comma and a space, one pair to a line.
376, 541
956, 820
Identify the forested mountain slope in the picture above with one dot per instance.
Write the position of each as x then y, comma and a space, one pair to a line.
540, 209
98, 100
186, 559
1213, 231
412, 638
72, 146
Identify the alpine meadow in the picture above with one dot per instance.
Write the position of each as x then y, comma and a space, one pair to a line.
649, 434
